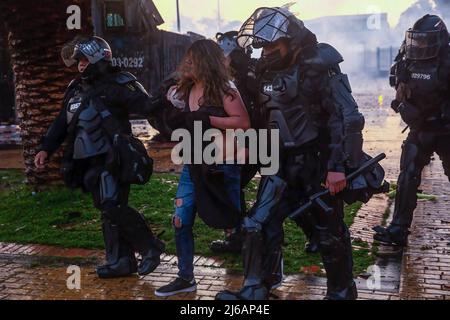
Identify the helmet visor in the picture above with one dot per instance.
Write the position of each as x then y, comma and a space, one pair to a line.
70, 52
266, 25
67, 54
422, 45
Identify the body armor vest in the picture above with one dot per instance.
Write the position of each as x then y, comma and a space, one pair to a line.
90, 140
427, 85
287, 109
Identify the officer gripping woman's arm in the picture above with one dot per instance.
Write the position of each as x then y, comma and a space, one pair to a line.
103, 93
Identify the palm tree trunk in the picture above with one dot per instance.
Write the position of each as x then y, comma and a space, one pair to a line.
36, 32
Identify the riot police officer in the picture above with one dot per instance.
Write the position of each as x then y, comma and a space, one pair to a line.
87, 161
309, 101
242, 69
421, 77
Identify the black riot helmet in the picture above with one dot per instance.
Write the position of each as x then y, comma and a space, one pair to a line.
228, 42
94, 49
426, 38
268, 25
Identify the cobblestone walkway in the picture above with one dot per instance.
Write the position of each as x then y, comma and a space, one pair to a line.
426, 261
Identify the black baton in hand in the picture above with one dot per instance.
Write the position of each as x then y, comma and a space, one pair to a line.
315, 199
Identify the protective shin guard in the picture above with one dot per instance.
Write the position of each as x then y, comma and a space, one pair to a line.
111, 239
337, 258
119, 256
408, 182
252, 254
135, 230
273, 269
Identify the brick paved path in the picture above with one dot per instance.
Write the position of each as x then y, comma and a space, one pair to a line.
426, 261
30, 272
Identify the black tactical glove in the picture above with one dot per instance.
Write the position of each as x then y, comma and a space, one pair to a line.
202, 116
395, 105
411, 115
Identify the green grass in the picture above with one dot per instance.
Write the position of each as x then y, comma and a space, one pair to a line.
67, 218
420, 195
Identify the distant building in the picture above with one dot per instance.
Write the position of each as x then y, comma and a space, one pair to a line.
364, 40
131, 27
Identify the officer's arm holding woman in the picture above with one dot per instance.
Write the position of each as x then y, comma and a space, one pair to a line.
135, 98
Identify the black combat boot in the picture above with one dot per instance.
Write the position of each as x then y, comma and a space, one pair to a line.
336, 251
231, 244
141, 237
257, 292
120, 259
348, 293
152, 259
252, 254
124, 267
392, 235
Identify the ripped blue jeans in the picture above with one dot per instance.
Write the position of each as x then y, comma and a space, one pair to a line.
185, 212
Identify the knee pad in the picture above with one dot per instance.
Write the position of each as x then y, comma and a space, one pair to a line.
269, 196
410, 152
409, 170
109, 189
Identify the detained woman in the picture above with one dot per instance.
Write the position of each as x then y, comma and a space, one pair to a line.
204, 85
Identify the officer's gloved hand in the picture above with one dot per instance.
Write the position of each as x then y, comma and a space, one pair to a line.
395, 105
411, 115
